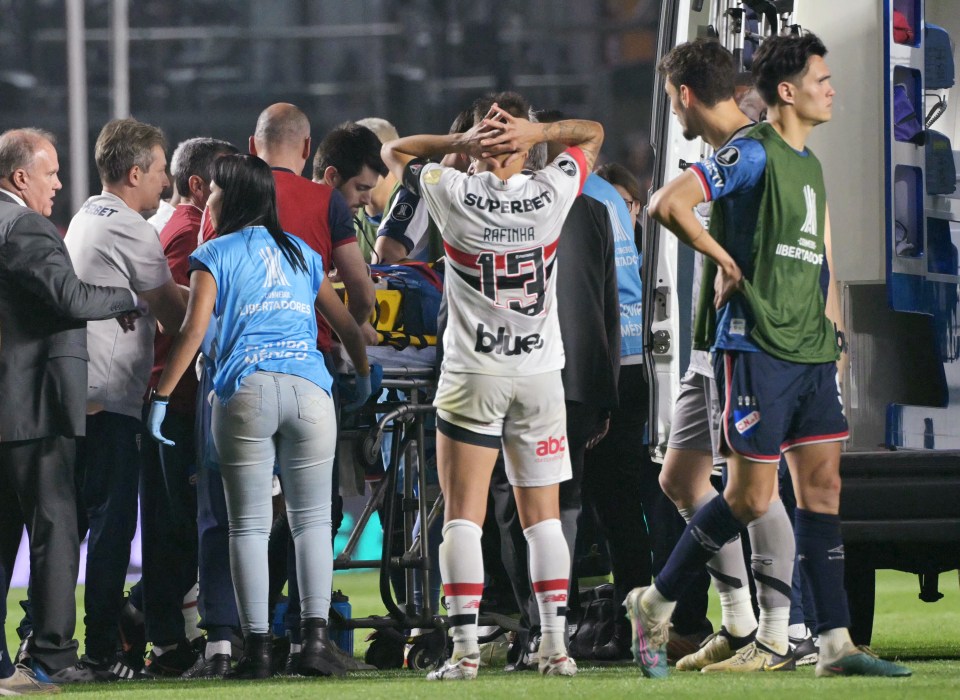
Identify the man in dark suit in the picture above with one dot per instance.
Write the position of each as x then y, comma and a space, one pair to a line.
43, 385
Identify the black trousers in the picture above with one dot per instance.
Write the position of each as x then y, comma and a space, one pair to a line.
37, 490
109, 460
168, 516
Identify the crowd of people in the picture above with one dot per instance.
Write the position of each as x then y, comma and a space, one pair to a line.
177, 354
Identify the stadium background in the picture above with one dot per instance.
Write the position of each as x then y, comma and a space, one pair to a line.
207, 67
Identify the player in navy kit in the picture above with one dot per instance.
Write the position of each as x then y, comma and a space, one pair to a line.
769, 238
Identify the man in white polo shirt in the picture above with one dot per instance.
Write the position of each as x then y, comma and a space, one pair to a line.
112, 244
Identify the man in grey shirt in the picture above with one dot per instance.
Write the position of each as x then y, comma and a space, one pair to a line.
111, 243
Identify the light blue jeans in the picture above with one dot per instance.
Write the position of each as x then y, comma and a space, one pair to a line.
283, 419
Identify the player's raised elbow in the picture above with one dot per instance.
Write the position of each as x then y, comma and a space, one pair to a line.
660, 207
393, 159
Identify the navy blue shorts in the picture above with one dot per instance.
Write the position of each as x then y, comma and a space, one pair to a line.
771, 405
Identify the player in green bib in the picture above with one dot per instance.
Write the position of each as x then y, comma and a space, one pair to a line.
775, 359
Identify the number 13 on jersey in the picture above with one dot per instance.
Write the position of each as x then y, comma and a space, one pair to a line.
515, 280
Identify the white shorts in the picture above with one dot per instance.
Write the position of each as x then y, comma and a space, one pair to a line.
526, 416
696, 416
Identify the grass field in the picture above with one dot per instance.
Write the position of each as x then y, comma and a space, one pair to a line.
927, 636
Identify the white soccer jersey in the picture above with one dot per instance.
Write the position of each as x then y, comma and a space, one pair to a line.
500, 239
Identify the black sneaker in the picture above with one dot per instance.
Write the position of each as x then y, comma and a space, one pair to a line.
292, 665
215, 667
529, 657
173, 663
804, 650
349, 662
109, 670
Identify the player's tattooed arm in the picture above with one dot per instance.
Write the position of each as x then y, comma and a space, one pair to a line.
396, 154
516, 135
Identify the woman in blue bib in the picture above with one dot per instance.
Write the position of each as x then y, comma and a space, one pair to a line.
272, 402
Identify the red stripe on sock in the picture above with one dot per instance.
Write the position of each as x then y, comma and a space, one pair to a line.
557, 584
451, 589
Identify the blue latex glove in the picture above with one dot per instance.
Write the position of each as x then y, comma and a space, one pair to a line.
348, 388
361, 392
158, 411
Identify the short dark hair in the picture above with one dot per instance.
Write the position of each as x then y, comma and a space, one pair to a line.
348, 148
124, 143
783, 59
250, 199
704, 66
18, 148
512, 103
617, 174
195, 157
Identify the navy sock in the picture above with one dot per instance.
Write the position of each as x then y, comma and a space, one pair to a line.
820, 550
710, 528
797, 616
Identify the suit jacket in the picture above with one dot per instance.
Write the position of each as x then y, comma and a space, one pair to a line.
43, 339
588, 305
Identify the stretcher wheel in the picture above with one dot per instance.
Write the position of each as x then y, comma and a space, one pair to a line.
427, 652
371, 447
385, 652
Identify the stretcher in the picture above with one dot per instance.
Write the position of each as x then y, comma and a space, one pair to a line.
409, 381
409, 373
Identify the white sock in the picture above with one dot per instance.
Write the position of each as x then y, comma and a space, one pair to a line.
213, 648
295, 648
736, 611
550, 577
835, 643
190, 617
656, 606
798, 631
772, 629
461, 569
161, 650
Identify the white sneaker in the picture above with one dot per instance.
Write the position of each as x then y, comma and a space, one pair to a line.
559, 664
463, 669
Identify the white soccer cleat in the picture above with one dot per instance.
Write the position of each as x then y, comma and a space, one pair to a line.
559, 664
463, 669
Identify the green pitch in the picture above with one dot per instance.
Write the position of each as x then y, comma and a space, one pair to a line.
926, 636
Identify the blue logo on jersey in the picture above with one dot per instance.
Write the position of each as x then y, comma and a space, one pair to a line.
746, 420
